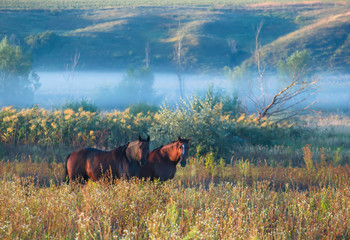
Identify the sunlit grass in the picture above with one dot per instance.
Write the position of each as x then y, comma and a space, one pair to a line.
228, 203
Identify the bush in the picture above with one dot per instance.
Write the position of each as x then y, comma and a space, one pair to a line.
143, 108
85, 105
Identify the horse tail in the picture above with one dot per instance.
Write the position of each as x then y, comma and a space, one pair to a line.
66, 177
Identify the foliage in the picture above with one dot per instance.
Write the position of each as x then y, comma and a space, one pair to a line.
17, 83
70, 128
202, 119
143, 108
205, 120
41, 41
84, 104
296, 64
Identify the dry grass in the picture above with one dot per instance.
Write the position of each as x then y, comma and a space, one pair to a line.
195, 205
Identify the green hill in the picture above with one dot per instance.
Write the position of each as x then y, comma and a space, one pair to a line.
212, 36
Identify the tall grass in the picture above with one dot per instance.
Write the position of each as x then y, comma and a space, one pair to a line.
235, 204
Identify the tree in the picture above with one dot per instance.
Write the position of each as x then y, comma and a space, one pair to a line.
17, 81
179, 54
297, 86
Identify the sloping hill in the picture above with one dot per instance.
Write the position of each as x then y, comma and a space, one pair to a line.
212, 37
327, 38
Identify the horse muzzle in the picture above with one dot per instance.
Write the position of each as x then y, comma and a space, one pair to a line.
142, 162
183, 161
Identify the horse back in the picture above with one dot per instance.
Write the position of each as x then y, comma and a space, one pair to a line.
89, 163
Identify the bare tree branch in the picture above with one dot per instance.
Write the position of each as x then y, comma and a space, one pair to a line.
286, 99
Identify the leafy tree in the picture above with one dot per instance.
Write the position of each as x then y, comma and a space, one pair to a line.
296, 64
17, 81
41, 42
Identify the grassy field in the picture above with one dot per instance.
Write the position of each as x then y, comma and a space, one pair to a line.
296, 189
237, 202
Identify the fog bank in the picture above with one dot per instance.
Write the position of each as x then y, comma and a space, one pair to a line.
58, 88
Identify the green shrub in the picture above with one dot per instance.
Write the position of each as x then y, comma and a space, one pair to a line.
143, 108
84, 104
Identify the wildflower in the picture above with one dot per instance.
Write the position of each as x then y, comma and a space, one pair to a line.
69, 112
264, 124
32, 127
241, 117
6, 108
6, 119
54, 125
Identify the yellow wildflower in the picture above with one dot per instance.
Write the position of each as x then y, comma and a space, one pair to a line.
264, 124
32, 127
241, 117
69, 112
6, 119
6, 108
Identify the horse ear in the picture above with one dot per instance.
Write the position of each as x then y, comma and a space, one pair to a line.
140, 139
179, 139
148, 138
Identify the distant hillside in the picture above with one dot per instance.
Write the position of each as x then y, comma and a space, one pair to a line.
327, 37
212, 36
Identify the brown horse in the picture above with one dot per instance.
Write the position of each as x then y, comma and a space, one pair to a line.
161, 162
124, 161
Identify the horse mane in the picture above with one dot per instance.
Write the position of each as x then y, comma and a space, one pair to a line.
158, 148
121, 149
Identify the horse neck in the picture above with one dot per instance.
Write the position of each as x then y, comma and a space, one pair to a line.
167, 152
132, 151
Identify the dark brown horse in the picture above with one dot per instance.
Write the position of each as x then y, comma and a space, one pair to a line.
124, 161
161, 162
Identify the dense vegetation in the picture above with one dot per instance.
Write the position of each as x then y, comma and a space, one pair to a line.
245, 178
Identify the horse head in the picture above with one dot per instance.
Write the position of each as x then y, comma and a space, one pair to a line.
143, 150
182, 150
138, 150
